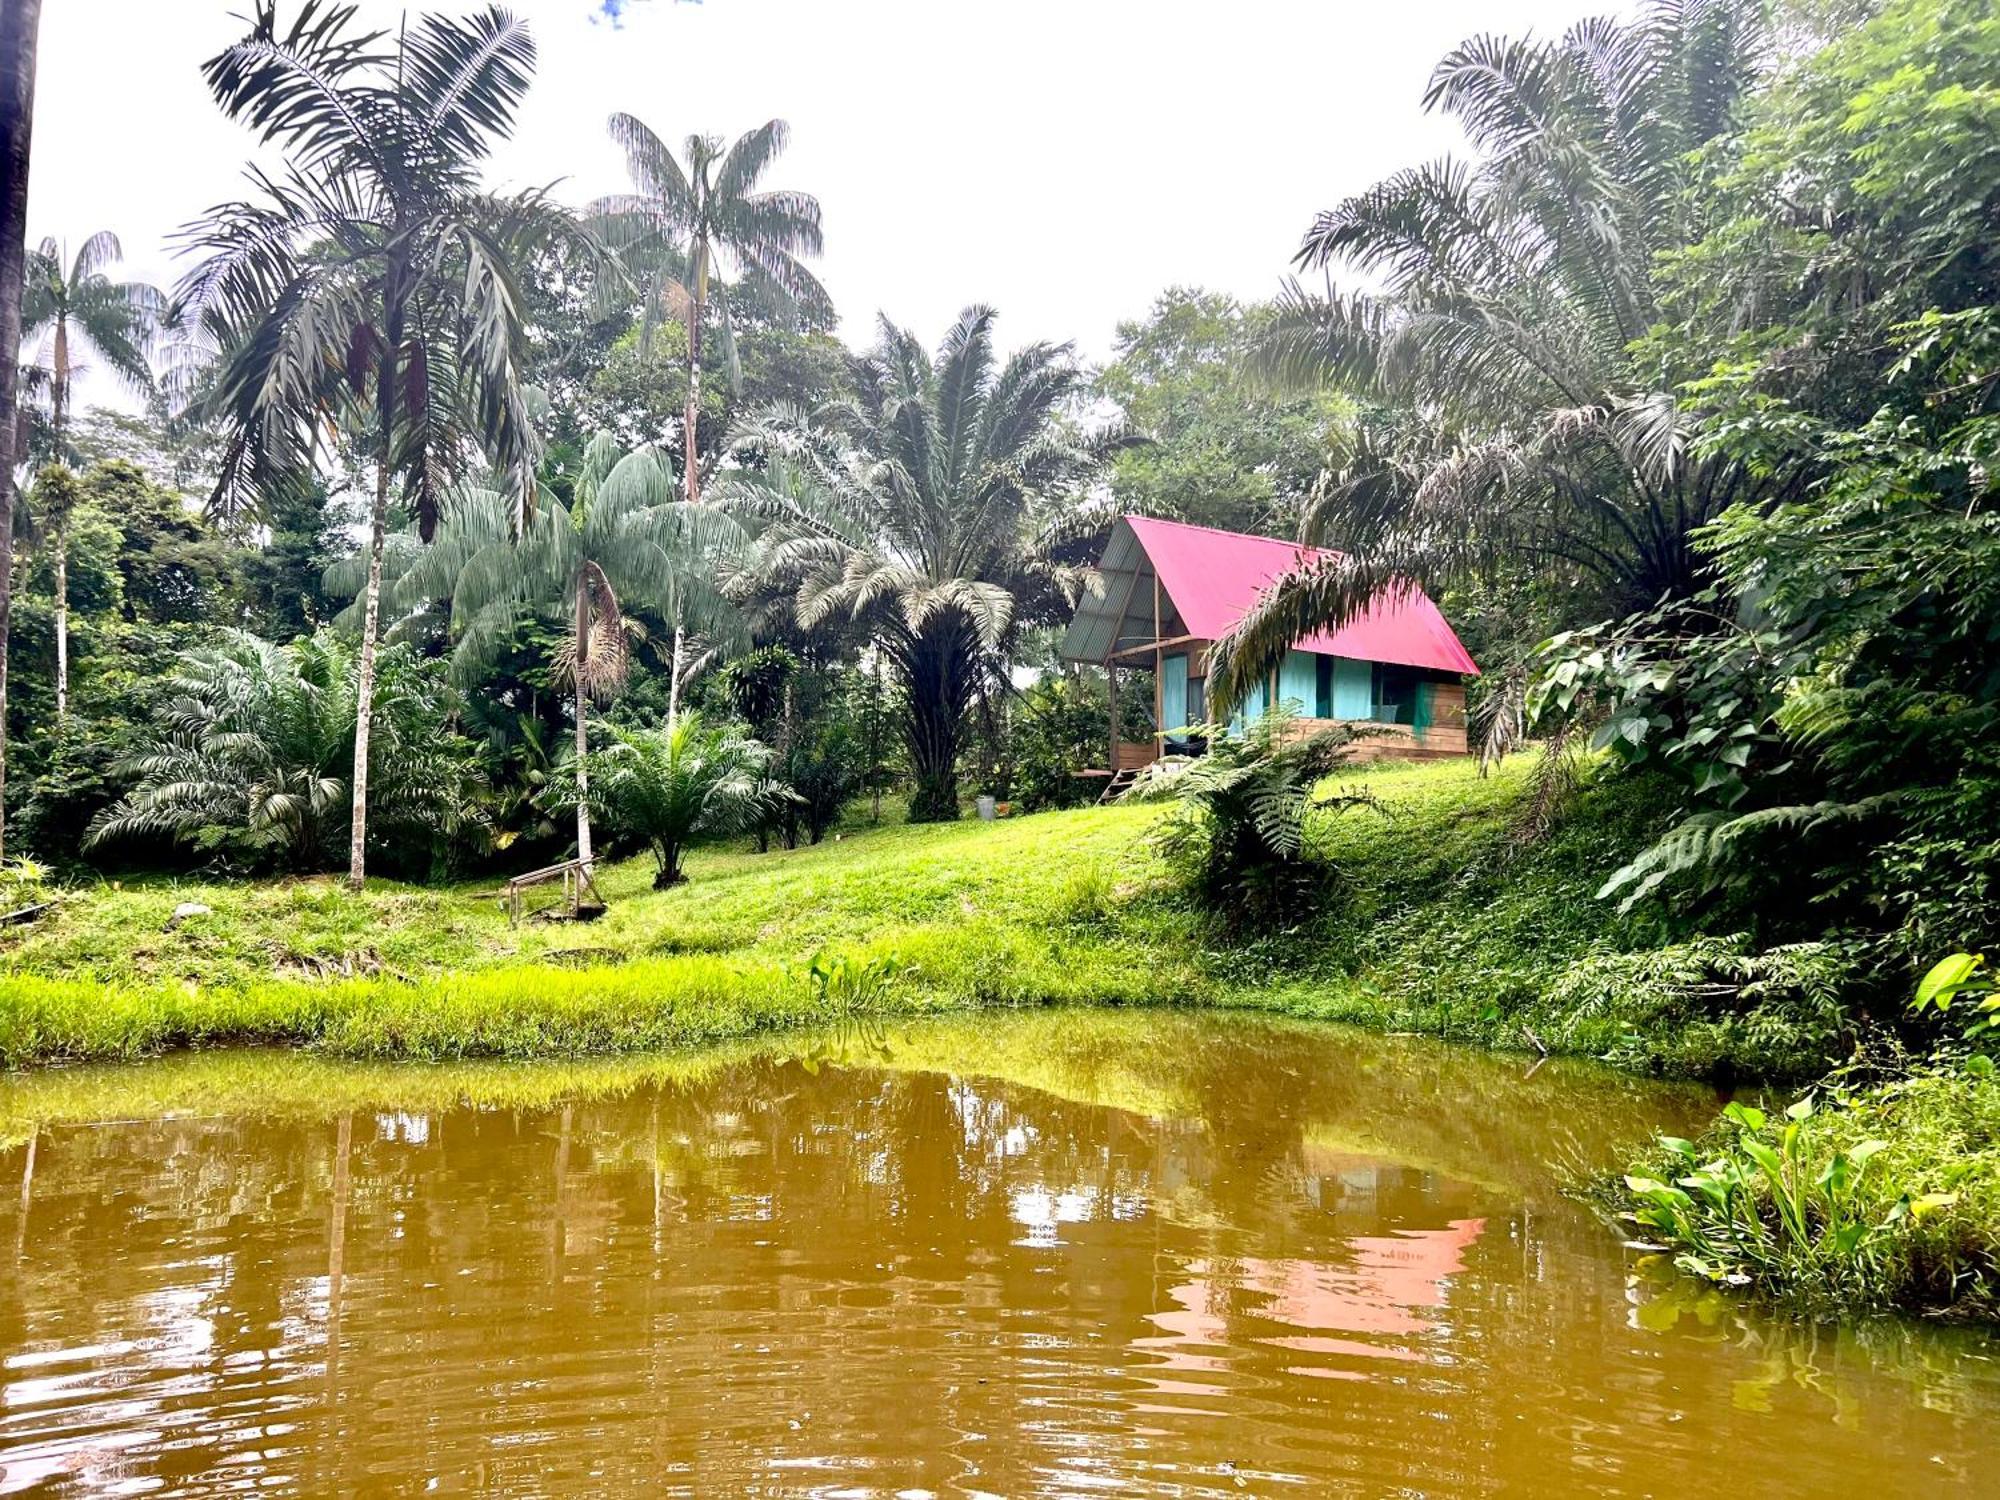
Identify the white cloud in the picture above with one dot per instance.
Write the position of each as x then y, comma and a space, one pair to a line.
1063, 160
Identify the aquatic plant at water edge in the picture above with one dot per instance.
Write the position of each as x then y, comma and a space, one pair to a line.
1867, 1197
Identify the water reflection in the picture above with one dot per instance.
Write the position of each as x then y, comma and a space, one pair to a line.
1056, 1255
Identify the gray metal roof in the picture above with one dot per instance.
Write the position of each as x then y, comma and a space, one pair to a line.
1124, 576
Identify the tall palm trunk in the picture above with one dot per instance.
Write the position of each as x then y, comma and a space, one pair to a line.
62, 625
59, 533
691, 467
582, 722
388, 371
674, 674
364, 703
19, 22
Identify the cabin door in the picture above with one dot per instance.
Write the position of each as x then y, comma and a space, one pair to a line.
1173, 693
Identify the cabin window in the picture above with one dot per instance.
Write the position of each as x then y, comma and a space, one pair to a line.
1396, 692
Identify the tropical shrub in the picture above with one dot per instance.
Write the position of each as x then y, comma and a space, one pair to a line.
1239, 834
1834, 713
1057, 731
825, 768
667, 787
250, 752
1057, 728
813, 718
1783, 1013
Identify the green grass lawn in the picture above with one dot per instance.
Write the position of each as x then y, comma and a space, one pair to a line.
784, 904
1437, 921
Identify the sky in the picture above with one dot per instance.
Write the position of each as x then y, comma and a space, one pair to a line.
1062, 160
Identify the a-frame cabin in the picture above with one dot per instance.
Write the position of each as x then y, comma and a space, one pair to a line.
1166, 591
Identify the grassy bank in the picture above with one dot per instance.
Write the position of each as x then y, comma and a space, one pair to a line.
1440, 921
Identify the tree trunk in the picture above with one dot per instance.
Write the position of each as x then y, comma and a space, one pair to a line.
20, 20
938, 669
875, 738
691, 465
674, 677
668, 853
364, 705
582, 724
62, 627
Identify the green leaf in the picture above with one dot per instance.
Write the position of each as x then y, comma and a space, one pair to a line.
1946, 978
1746, 1115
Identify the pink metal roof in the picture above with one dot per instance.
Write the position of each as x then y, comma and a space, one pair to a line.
1213, 577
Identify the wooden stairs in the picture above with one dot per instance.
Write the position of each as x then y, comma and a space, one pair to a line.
1119, 784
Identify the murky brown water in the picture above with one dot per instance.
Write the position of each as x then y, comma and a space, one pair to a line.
1046, 1255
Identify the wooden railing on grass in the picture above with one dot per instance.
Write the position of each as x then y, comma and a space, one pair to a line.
573, 873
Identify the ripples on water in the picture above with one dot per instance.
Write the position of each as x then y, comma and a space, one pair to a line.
1048, 1255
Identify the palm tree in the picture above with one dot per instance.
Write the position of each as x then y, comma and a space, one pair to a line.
371, 282
20, 21
115, 321
681, 225
624, 541
252, 742
915, 512
73, 310
670, 785
1515, 419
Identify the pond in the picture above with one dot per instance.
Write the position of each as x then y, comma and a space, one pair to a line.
1055, 1253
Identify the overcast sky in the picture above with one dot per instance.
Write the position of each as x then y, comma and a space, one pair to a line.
1063, 160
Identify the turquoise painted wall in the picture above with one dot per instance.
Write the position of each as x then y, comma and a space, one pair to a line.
1353, 689
1352, 696
1298, 682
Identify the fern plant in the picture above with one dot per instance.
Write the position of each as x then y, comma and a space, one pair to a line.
254, 744
1241, 833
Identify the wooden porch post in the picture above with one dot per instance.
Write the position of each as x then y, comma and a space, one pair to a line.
1111, 679
1159, 664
